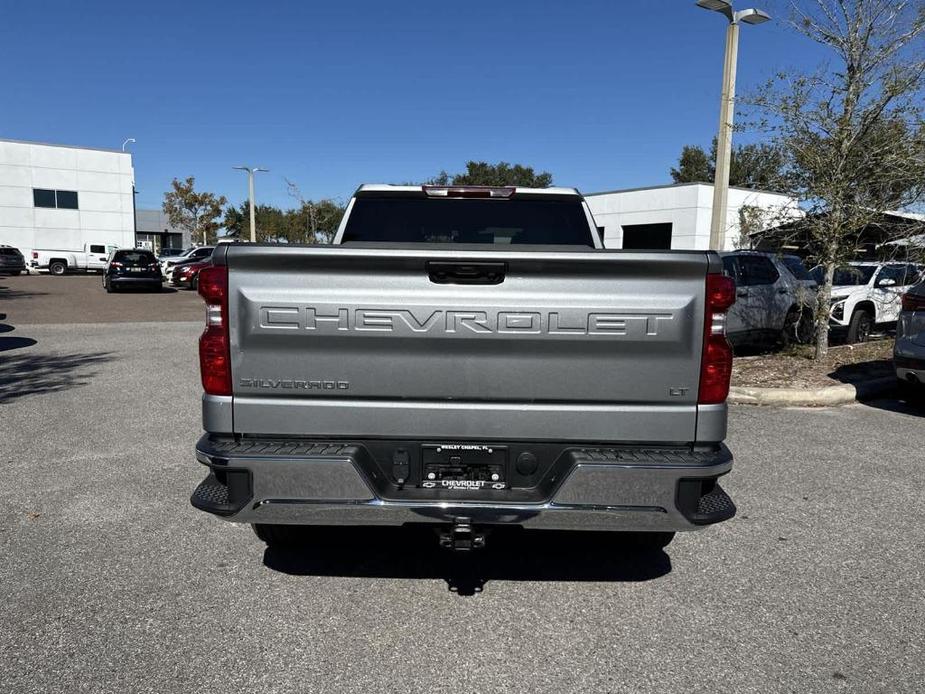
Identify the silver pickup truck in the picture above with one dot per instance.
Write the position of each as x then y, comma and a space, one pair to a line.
465, 357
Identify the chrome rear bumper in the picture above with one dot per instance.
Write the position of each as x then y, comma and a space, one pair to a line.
625, 489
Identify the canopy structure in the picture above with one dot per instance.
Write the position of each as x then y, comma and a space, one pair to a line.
893, 235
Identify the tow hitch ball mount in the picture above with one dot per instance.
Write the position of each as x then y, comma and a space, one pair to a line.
462, 536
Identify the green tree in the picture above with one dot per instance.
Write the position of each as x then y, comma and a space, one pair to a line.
694, 166
480, 173
756, 166
851, 130
271, 223
236, 221
193, 211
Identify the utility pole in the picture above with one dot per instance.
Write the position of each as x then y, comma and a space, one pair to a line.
250, 191
724, 141
727, 112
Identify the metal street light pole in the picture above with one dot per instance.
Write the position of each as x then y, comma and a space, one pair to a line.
250, 191
131, 139
727, 112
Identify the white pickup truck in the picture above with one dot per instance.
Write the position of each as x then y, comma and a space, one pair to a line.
58, 262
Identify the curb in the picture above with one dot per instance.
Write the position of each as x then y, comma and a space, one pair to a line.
812, 397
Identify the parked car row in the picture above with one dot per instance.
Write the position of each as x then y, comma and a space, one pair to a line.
776, 295
141, 268
92, 257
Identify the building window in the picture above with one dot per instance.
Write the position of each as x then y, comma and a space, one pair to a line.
647, 237
62, 199
43, 198
67, 199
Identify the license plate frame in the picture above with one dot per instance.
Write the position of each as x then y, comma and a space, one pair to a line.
464, 467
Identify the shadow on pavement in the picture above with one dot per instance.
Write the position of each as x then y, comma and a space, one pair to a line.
146, 290
32, 374
901, 405
8, 343
863, 371
9, 294
511, 554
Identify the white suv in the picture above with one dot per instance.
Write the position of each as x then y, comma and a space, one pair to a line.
190, 255
868, 294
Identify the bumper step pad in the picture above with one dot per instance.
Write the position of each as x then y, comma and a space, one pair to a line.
704, 502
225, 496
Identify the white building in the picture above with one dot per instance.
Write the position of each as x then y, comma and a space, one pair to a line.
62, 197
678, 216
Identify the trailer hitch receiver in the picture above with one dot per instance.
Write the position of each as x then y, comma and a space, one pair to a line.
462, 536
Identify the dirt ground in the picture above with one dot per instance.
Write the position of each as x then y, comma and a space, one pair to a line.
795, 367
43, 299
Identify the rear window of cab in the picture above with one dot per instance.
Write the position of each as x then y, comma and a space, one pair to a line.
134, 257
502, 222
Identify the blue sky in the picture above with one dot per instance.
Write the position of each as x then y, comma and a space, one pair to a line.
334, 94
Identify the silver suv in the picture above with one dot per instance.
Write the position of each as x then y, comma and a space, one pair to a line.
774, 298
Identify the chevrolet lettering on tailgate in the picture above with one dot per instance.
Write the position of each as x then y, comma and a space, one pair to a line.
333, 319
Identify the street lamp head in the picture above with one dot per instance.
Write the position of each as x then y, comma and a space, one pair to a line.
724, 7
241, 168
752, 16
715, 5
260, 169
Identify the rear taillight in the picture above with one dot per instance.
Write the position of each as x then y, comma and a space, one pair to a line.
214, 345
115, 264
913, 302
35, 255
716, 363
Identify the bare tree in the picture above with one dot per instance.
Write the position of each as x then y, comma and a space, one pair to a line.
316, 222
851, 131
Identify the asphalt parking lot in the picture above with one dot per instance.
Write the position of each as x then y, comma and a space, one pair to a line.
39, 299
111, 582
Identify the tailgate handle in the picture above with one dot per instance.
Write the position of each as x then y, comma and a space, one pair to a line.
466, 273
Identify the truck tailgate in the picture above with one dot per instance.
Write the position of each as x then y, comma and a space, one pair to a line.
375, 342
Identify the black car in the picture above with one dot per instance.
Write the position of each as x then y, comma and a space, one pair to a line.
134, 267
11, 261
